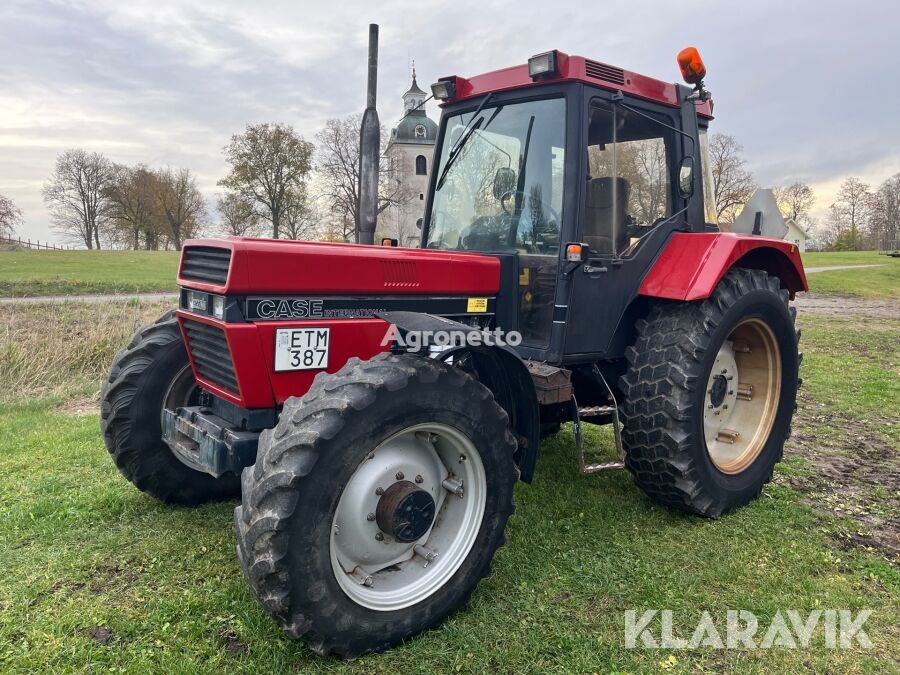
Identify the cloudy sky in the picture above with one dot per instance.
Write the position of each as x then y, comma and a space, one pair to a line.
810, 87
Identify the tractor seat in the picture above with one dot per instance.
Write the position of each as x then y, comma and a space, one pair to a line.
600, 216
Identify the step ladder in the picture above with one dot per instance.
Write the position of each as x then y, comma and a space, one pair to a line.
611, 410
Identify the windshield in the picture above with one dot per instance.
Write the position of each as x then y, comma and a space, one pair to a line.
500, 179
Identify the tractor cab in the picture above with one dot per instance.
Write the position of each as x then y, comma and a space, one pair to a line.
575, 174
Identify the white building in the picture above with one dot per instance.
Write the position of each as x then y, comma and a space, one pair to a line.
409, 152
796, 234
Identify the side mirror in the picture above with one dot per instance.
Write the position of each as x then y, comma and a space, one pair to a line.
504, 181
686, 177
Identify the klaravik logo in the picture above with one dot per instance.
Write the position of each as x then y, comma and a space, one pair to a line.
790, 629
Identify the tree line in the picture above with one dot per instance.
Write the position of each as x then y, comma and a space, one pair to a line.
862, 217
278, 185
283, 186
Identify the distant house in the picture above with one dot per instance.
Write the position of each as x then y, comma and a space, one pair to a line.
796, 234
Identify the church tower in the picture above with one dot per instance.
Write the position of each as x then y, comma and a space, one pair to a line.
409, 153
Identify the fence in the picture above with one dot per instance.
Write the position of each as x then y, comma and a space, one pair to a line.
36, 244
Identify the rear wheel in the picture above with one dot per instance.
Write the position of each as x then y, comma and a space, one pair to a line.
376, 504
151, 374
709, 395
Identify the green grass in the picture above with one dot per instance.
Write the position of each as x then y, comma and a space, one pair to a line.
882, 282
82, 550
26, 273
815, 259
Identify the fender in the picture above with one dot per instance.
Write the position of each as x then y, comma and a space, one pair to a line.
499, 369
692, 264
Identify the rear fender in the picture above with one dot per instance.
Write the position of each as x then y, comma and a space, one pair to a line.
692, 264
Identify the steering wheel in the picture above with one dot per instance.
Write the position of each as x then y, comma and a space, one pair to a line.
512, 193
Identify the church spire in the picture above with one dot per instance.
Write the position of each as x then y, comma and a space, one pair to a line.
414, 97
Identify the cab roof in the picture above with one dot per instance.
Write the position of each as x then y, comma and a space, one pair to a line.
574, 69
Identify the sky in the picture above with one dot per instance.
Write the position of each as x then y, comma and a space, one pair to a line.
810, 88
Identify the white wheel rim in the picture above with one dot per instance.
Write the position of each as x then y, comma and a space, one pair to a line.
372, 567
738, 419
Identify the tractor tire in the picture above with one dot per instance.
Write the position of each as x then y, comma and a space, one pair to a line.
709, 394
311, 508
152, 368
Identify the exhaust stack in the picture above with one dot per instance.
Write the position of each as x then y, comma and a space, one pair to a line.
369, 150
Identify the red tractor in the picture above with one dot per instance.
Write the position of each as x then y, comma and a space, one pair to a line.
361, 402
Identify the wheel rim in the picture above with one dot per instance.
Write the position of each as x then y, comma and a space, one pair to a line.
376, 568
181, 392
742, 395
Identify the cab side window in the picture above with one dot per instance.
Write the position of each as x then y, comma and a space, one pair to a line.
629, 178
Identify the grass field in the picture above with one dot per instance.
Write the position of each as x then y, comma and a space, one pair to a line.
33, 273
98, 576
26, 273
871, 282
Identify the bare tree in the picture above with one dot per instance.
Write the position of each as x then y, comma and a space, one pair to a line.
238, 215
853, 207
795, 200
300, 217
180, 203
76, 194
338, 166
132, 207
10, 216
885, 219
733, 185
270, 163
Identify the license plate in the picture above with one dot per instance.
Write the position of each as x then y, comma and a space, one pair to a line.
301, 348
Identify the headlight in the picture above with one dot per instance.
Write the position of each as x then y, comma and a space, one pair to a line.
443, 89
543, 64
218, 307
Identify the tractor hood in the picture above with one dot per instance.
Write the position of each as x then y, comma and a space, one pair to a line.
241, 266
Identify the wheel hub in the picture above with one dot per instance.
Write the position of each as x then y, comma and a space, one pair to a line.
405, 512
718, 391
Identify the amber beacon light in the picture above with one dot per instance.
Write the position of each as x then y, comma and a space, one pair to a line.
692, 69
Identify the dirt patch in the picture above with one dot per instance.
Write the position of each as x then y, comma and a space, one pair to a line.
853, 473
233, 645
106, 575
102, 635
80, 406
847, 307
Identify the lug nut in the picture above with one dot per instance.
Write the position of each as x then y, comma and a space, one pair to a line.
399, 475
370, 517
379, 536
379, 491
419, 478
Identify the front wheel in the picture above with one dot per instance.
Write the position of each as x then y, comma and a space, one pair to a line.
151, 374
376, 504
709, 395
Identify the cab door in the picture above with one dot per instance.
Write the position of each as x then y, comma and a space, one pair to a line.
627, 207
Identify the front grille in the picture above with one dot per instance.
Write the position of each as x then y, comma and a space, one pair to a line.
209, 349
601, 71
206, 263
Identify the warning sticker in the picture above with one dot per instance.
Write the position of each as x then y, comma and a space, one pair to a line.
477, 305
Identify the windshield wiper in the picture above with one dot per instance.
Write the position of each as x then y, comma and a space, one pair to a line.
469, 129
